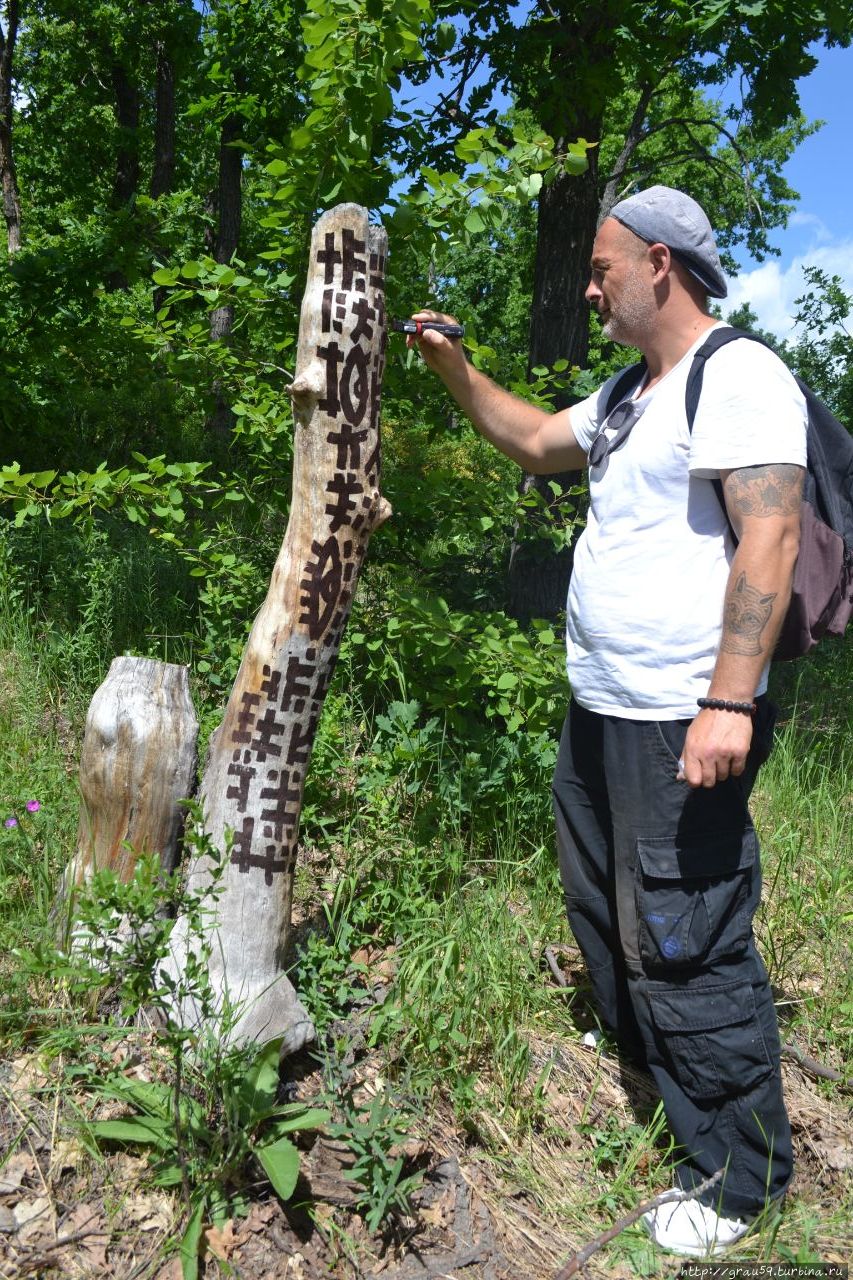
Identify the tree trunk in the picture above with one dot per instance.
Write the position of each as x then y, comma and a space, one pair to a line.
8, 175
255, 774
163, 169
126, 181
559, 328
229, 218
137, 765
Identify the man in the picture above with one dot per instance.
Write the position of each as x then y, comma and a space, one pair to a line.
658, 855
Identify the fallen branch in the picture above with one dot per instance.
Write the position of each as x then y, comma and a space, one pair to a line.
813, 1067
582, 1257
559, 976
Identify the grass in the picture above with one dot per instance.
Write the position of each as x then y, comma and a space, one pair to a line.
428, 972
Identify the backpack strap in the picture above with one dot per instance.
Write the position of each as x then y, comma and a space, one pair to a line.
718, 338
629, 379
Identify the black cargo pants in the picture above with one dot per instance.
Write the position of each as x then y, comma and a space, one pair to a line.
661, 886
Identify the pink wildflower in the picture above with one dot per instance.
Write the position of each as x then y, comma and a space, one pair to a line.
33, 806
11, 822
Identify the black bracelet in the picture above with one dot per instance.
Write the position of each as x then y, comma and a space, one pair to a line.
722, 704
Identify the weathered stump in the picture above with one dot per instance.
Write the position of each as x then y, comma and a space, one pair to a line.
137, 765
255, 774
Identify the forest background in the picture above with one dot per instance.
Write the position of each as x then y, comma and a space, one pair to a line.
162, 164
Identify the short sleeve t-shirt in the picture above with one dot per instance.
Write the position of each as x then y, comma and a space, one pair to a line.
645, 606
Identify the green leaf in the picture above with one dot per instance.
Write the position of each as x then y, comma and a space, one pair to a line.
165, 275
191, 1243
191, 270
474, 222
146, 1131
259, 1086
280, 1162
507, 681
295, 1117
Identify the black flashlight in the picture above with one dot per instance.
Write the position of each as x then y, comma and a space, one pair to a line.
417, 327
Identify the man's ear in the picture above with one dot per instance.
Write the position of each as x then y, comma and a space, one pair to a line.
661, 260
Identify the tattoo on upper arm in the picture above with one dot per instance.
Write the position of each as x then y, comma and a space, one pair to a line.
747, 613
772, 490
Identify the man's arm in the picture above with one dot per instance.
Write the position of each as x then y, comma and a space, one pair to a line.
542, 443
764, 507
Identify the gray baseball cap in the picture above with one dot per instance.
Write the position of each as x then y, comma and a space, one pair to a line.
662, 215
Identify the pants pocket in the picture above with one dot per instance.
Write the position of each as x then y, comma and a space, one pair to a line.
714, 1039
693, 897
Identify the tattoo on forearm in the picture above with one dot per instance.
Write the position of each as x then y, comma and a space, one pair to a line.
746, 615
773, 490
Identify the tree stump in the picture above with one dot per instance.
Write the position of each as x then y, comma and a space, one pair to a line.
255, 773
137, 765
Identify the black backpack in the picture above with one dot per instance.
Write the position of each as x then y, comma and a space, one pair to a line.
822, 593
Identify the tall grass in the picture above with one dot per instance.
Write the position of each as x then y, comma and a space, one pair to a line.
438, 885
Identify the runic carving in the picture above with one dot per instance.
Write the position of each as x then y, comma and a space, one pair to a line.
254, 780
321, 586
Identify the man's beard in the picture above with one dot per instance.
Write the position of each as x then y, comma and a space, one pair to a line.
632, 316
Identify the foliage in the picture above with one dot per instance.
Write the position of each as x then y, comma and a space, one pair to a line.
823, 352
218, 1110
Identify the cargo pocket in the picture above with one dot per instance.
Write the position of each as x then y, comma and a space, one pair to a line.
713, 1037
692, 897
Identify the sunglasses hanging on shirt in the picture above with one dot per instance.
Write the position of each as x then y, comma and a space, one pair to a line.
613, 433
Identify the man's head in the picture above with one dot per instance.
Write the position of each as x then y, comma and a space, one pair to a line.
655, 249
662, 215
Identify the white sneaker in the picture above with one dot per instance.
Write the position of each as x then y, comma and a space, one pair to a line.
693, 1229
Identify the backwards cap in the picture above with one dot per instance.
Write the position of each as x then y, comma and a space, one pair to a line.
662, 215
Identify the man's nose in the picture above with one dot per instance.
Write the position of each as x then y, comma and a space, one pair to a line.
593, 293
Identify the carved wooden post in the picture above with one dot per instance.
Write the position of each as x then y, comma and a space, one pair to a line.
137, 765
255, 774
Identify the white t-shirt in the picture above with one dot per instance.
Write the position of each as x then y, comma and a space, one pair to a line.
650, 570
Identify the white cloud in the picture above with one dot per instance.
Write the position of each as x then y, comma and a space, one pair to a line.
772, 288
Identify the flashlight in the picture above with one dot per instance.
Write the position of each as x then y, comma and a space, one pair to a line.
417, 327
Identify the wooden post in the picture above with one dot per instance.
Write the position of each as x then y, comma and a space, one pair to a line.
137, 765
255, 774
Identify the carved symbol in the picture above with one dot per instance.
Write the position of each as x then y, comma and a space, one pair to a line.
371, 466
282, 814
346, 487
333, 356
270, 683
354, 381
299, 747
244, 859
365, 314
321, 587
241, 853
244, 773
329, 257
295, 688
327, 321
349, 442
351, 263
376, 393
377, 270
266, 729
245, 717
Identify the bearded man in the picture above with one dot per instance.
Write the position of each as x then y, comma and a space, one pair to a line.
677, 594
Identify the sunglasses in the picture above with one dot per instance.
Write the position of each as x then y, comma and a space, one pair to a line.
620, 423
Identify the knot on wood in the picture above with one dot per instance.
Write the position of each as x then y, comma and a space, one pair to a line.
307, 388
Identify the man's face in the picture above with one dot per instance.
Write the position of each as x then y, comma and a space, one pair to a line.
620, 287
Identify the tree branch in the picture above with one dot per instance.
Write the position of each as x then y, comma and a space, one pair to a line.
580, 1259
632, 141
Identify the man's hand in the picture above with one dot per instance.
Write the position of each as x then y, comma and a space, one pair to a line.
716, 747
442, 354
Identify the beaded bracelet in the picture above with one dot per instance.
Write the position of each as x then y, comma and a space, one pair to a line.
722, 704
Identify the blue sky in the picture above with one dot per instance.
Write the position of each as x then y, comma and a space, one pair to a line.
820, 232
